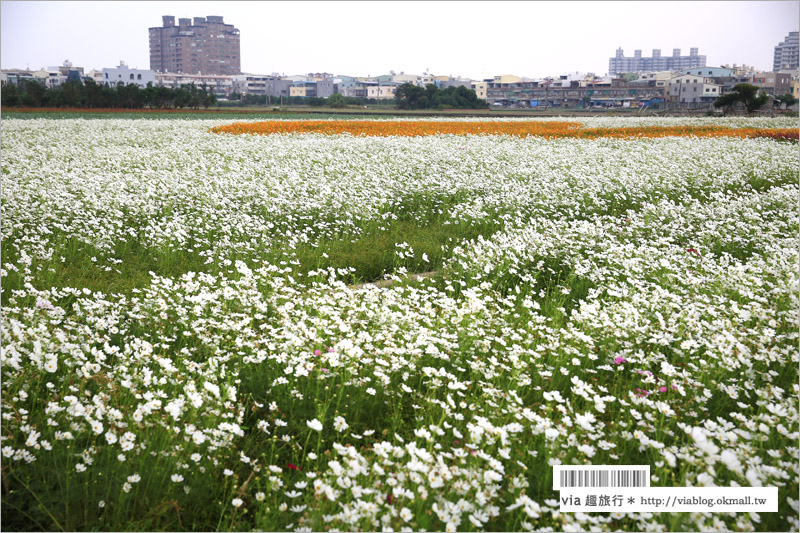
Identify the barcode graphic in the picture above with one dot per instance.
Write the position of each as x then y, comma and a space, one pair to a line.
604, 478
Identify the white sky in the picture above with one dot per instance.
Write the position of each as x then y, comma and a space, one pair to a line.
473, 39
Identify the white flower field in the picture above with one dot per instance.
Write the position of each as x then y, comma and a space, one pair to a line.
190, 338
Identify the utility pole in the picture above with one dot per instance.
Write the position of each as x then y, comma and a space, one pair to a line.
546, 86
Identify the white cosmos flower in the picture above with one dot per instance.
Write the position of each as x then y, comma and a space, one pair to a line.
198, 437
687, 247
339, 424
314, 424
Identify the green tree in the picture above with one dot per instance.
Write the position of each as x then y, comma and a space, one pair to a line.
336, 101
71, 94
9, 94
93, 92
196, 96
743, 93
786, 99
209, 99
181, 97
407, 96
164, 97
149, 95
33, 93
108, 97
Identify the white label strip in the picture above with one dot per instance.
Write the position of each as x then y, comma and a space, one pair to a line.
591, 476
670, 500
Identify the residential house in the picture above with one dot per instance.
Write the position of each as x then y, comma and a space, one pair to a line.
710, 72
696, 91
303, 89
406, 78
480, 88
15, 75
221, 85
352, 87
326, 87
506, 78
773, 83
126, 76
382, 91
455, 82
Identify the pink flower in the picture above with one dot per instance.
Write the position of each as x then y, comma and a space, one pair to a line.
619, 360
662, 389
317, 352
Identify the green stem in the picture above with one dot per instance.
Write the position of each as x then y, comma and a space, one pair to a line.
43, 506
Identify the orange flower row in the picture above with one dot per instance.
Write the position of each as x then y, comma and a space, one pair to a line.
548, 130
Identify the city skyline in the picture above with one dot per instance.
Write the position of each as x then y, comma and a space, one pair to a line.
474, 40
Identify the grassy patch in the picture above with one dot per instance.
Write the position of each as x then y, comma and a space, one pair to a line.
372, 255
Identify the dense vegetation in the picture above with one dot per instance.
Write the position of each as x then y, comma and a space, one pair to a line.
410, 96
89, 94
335, 100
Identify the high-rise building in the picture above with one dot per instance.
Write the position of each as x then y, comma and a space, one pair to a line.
207, 46
786, 53
619, 63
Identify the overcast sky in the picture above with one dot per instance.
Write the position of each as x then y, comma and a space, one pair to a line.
468, 38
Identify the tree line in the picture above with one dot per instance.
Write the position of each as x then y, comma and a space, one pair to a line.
89, 94
409, 96
335, 100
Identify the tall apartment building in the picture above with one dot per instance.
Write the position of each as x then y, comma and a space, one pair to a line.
207, 46
619, 63
786, 53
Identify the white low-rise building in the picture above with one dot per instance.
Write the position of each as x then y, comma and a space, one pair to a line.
125, 75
